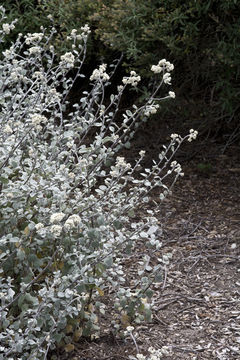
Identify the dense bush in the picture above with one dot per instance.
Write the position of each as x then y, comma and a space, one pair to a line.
68, 202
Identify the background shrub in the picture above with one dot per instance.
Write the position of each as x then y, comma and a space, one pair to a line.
203, 38
28, 15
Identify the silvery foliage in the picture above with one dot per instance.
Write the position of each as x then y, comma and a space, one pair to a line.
67, 202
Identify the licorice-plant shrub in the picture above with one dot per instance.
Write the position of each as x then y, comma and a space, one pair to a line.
67, 199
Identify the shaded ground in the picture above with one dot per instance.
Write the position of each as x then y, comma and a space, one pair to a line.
197, 305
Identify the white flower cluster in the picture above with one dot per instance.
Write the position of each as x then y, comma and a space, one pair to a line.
133, 79
154, 354
165, 258
100, 74
192, 135
121, 164
73, 221
120, 88
57, 217
34, 50
163, 65
83, 36
151, 109
38, 75
17, 74
177, 168
86, 29
7, 129
54, 95
130, 328
32, 38
176, 137
56, 230
7, 28
142, 153
39, 226
71, 175
167, 78
70, 144
36, 120
8, 54
172, 94
166, 67
67, 60
73, 33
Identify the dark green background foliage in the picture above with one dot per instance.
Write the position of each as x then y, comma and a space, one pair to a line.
201, 38
28, 15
